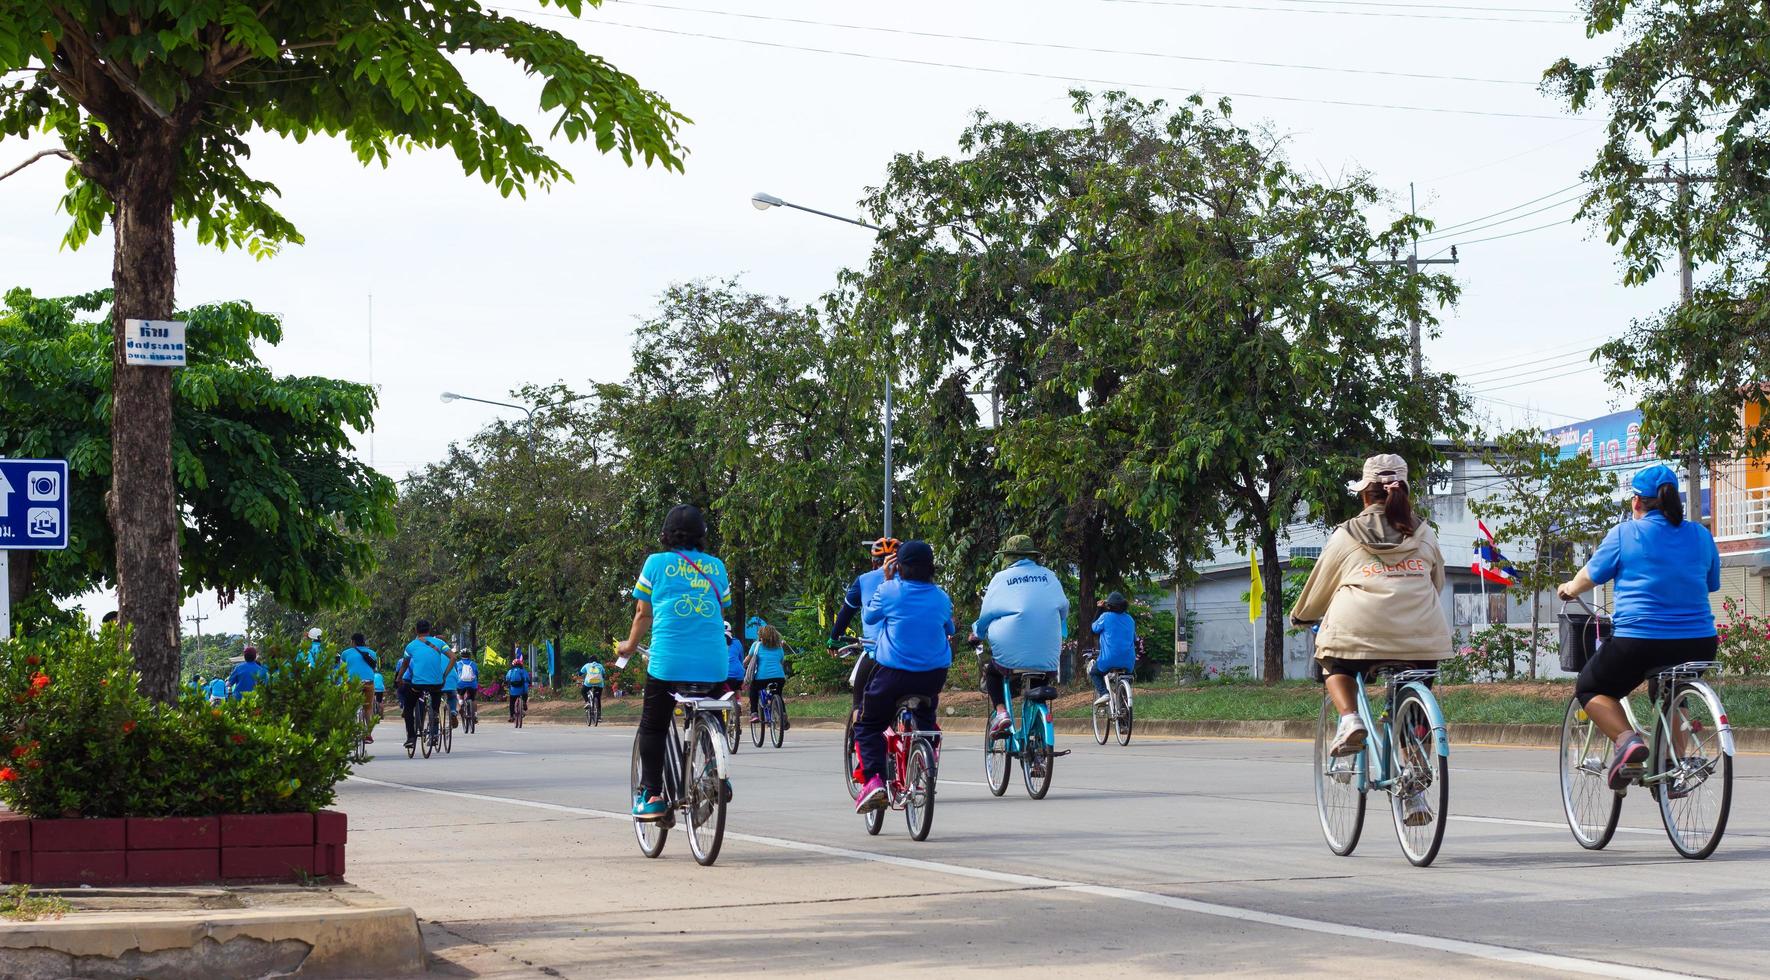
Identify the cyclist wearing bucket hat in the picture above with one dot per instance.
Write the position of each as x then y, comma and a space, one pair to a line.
1664, 568
1025, 618
1375, 591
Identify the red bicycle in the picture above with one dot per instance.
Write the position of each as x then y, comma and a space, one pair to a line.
912, 763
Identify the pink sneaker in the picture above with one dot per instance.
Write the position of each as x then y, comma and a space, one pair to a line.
872, 796
1000, 722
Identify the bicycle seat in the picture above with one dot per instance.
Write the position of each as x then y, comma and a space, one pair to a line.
1116, 673
1029, 672
1041, 693
1695, 668
913, 703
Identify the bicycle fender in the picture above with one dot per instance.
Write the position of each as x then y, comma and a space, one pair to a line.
1714, 700
1440, 731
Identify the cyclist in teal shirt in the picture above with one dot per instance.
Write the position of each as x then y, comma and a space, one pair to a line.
248, 675
767, 664
679, 601
1118, 641
1664, 568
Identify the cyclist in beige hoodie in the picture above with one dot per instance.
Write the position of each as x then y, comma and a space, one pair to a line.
1375, 591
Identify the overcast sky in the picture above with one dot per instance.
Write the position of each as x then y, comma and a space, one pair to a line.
478, 294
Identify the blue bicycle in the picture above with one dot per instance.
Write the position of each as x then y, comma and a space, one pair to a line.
1030, 736
769, 720
1407, 755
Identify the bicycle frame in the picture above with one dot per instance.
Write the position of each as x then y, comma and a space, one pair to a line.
1031, 713
1377, 775
1657, 771
899, 739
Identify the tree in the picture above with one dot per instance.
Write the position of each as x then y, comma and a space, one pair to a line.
1553, 505
153, 100
269, 494
762, 416
1690, 80
972, 285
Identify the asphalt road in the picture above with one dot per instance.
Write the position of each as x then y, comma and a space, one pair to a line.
1170, 856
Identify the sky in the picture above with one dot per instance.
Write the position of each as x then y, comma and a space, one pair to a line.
421, 280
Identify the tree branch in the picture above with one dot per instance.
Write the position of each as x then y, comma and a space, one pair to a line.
57, 152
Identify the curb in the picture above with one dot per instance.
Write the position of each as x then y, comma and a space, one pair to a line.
308, 942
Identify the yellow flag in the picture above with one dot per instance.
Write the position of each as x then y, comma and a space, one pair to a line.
1256, 588
823, 620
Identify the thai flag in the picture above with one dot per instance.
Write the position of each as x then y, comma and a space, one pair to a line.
1488, 563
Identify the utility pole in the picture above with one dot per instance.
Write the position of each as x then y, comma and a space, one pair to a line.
1413, 263
1687, 295
196, 619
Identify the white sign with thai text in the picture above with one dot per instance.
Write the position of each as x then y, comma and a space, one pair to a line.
153, 343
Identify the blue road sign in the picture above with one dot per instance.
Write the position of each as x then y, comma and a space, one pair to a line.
33, 504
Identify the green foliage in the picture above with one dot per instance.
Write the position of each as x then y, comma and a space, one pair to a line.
1494, 653
18, 904
271, 493
120, 81
79, 739
1688, 78
210, 655
1744, 641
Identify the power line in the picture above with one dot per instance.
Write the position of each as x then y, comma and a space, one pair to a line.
1527, 373
1565, 360
1049, 76
1514, 234
1584, 342
1436, 231
1525, 408
1562, 21
1436, 238
1071, 47
1554, 377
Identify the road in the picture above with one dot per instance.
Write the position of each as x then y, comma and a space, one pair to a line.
1166, 857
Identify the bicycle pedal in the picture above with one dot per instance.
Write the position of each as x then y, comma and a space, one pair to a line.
1060, 753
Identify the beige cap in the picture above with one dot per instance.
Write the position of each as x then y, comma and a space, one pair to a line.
1382, 468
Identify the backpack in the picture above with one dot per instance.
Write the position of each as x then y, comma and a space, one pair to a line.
595, 674
466, 672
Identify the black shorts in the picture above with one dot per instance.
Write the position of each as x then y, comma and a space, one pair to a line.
1623, 662
1336, 667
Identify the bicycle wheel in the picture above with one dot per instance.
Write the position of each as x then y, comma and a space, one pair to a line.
777, 717
997, 760
469, 717
426, 741
734, 732
758, 727
1339, 786
704, 793
875, 818
848, 759
1695, 784
1124, 721
1592, 808
522, 710
918, 783
651, 833
448, 736
1039, 758
1102, 718
1420, 770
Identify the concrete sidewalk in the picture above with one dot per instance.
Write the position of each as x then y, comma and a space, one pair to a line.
222, 933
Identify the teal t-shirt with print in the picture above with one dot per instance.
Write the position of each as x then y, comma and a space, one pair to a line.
688, 593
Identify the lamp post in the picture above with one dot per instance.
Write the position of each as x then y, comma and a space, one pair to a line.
449, 396
762, 201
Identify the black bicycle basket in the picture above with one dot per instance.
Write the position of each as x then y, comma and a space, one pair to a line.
1582, 634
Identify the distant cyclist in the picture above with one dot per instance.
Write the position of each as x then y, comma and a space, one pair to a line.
217, 691
914, 618
860, 592
1118, 642
591, 681
467, 677
766, 665
360, 663
315, 652
1025, 618
516, 685
1376, 591
679, 602
248, 675
426, 664
1664, 568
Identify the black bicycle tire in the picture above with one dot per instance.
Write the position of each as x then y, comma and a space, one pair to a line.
647, 848
1441, 781
997, 775
921, 761
849, 758
1603, 839
1125, 716
777, 711
1330, 715
701, 739
1664, 800
1036, 745
1101, 718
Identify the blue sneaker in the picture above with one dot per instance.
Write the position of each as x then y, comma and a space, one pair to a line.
644, 809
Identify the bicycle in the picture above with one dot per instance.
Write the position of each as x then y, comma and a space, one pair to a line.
770, 717
446, 735
912, 765
365, 727
518, 709
1396, 758
696, 778
428, 722
469, 712
1114, 714
1687, 715
1030, 737
850, 759
592, 709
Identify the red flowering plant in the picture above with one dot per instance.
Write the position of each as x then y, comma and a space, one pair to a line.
77, 738
1744, 640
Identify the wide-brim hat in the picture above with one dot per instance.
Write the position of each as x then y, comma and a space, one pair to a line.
1019, 544
1380, 469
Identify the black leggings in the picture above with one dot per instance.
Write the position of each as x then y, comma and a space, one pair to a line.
655, 713
1623, 662
756, 686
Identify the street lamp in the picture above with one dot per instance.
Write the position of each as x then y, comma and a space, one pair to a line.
762, 201
449, 396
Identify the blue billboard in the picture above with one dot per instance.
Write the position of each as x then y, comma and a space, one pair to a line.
1614, 440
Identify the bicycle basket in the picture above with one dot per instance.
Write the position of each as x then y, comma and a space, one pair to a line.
1582, 634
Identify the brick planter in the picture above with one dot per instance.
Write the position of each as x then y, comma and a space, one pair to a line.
172, 850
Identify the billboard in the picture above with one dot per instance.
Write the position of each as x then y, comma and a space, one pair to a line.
1614, 440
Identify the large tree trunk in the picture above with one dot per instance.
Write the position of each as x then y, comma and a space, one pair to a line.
1272, 581
143, 503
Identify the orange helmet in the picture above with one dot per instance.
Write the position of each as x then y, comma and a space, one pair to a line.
885, 547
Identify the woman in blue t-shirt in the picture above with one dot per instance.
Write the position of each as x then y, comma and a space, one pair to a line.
767, 663
1664, 568
1118, 641
913, 618
680, 602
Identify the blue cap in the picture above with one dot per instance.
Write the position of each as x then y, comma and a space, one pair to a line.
1648, 481
916, 557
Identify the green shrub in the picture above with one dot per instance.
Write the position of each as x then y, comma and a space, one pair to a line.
79, 739
1744, 641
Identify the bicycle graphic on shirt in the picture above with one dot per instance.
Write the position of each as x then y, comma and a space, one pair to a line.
694, 605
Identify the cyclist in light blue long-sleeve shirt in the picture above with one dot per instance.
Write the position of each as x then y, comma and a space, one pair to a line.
1025, 618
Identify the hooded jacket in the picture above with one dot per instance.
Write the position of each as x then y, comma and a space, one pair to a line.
1375, 592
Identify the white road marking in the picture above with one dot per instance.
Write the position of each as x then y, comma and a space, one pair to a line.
508, 752
1459, 947
1546, 824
